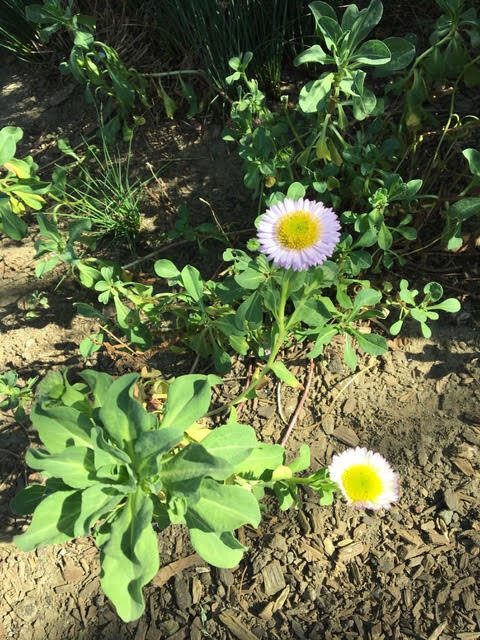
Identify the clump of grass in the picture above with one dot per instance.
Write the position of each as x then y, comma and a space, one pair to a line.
17, 34
105, 193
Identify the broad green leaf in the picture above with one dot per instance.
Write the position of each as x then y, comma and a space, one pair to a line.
129, 558
366, 20
9, 136
396, 327
323, 338
296, 191
372, 52
99, 383
312, 54
220, 550
367, 298
83, 39
192, 282
183, 474
303, 460
282, 373
434, 290
385, 238
473, 158
349, 354
11, 225
233, 442
250, 312
264, 456
321, 10
53, 521
74, 465
122, 416
371, 343
451, 305
330, 30
314, 93
402, 53
310, 311
27, 499
418, 314
97, 502
464, 209
219, 507
349, 16
166, 269
188, 399
61, 427
151, 444
250, 278
106, 454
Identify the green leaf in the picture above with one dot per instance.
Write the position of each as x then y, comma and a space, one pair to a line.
367, 298
97, 502
250, 278
192, 282
250, 312
233, 442
219, 507
61, 427
426, 331
303, 460
84, 40
385, 238
349, 354
27, 499
433, 290
99, 383
402, 53
122, 416
473, 158
372, 52
106, 454
220, 550
418, 314
312, 54
11, 225
366, 20
371, 343
74, 465
188, 399
321, 10
323, 338
129, 558
465, 208
296, 191
183, 474
264, 456
396, 327
9, 136
166, 269
53, 521
451, 305
314, 93
151, 444
282, 373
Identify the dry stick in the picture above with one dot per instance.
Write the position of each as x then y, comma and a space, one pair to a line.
279, 402
217, 221
300, 404
123, 344
195, 363
372, 364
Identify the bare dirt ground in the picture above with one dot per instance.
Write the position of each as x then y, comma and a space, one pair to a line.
318, 573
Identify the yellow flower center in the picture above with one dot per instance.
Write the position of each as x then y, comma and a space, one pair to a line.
362, 483
298, 230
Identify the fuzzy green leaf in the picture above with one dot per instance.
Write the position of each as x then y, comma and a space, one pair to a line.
188, 400
233, 442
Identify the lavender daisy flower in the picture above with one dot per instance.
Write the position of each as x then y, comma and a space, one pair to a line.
298, 234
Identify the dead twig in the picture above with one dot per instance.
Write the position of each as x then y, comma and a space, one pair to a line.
279, 402
300, 404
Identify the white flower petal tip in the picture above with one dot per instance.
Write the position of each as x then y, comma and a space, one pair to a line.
298, 234
365, 478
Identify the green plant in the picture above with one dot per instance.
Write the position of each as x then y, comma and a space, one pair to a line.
33, 302
20, 188
114, 468
17, 34
12, 396
96, 66
104, 193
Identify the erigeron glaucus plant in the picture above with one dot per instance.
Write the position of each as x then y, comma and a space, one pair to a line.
114, 470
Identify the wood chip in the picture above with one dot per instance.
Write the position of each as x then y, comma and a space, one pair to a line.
438, 631
230, 619
273, 579
350, 551
452, 500
464, 466
172, 569
346, 435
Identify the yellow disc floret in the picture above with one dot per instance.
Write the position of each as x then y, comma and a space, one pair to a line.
362, 483
298, 230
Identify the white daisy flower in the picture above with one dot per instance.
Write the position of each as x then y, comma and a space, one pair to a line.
365, 478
